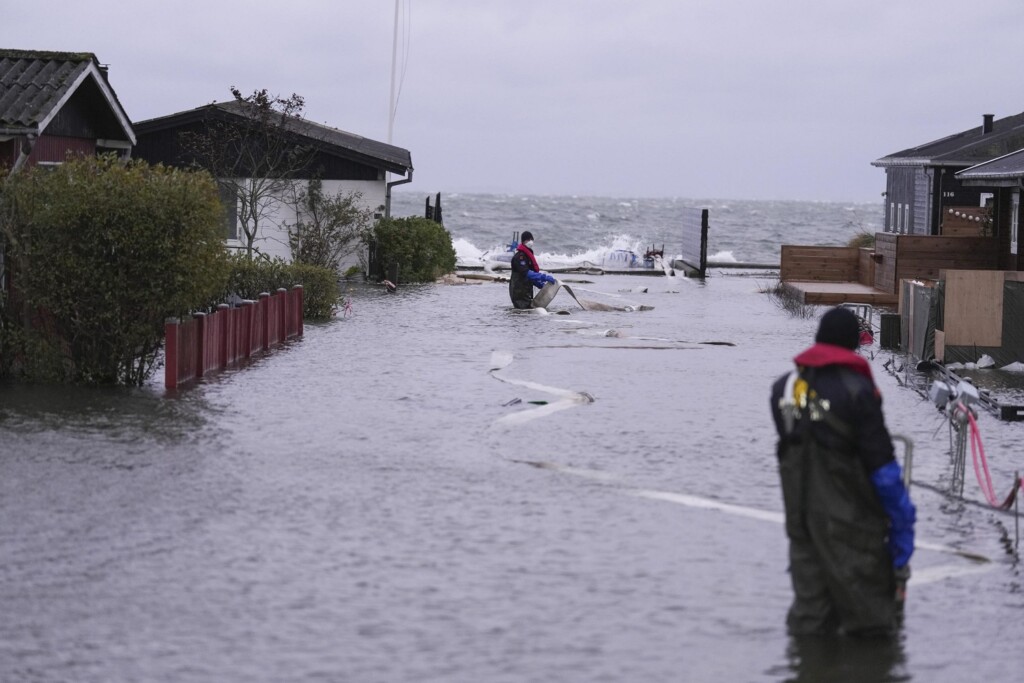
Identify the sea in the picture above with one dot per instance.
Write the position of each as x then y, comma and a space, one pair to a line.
435, 487
571, 230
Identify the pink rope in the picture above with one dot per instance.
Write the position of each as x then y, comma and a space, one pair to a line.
978, 456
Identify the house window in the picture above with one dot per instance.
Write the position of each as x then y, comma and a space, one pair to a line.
906, 218
892, 217
1014, 220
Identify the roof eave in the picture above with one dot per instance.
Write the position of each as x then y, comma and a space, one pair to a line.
993, 181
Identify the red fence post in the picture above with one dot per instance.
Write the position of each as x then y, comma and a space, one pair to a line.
300, 303
200, 319
224, 329
248, 320
282, 316
171, 353
265, 332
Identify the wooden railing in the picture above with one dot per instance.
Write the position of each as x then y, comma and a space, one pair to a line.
922, 257
209, 342
819, 264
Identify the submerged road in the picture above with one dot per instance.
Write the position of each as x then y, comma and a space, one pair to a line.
391, 499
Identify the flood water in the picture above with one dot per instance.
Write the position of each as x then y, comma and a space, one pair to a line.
372, 503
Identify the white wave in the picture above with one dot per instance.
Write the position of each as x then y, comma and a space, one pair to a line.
722, 257
466, 251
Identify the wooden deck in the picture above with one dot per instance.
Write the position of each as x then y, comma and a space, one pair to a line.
835, 293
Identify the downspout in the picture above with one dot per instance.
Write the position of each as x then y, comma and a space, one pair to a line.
27, 143
387, 193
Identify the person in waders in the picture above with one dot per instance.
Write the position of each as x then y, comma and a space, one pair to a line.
526, 274
849, 518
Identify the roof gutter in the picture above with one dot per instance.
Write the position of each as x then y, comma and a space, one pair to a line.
387, 193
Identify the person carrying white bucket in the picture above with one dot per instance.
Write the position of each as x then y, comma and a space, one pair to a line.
526, 275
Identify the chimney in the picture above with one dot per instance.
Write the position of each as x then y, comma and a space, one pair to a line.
986, 123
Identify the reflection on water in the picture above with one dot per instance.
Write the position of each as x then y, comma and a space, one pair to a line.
846, 660
354, 507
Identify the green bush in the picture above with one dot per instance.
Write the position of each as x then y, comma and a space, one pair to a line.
420, 248
250, 277
102, 252
320, 291
862, 239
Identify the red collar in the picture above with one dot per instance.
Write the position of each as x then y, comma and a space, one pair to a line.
820, 355
529, 254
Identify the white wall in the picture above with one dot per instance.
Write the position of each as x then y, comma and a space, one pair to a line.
272, 235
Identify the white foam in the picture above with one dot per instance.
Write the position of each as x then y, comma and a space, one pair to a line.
722, 257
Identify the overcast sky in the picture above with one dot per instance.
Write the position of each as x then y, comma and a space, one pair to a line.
791, 99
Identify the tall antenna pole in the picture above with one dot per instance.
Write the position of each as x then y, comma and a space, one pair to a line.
394, 60
391, 114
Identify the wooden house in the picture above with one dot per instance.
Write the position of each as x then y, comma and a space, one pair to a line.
922, 182
345, 163
1001, 179
964, 313
53, 104
57, 103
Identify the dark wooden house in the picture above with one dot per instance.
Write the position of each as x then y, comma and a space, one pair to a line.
57, 103
53, 104
1003, 179
922, 182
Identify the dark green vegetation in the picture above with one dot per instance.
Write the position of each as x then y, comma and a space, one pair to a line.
420, 248
250, 277
101, 253
862, 239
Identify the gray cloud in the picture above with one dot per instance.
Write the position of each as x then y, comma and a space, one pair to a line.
732, 98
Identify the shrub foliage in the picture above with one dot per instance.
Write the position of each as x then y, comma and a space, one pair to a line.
420, 248
102, 252
328, 227
249, 277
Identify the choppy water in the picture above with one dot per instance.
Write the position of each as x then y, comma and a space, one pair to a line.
574, 228
355, 507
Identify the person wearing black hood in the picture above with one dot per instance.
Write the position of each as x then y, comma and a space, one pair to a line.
849, 518
526, 274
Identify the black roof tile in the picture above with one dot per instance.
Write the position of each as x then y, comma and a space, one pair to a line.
967, 148
394, 159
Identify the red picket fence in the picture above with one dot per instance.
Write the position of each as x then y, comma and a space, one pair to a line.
213, 341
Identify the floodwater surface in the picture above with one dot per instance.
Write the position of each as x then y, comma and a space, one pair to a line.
439, 488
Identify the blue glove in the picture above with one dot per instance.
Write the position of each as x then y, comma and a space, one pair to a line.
551, 279
888, 483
